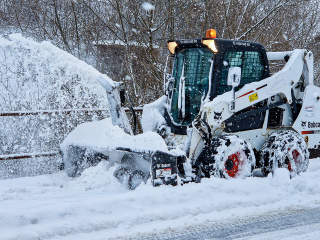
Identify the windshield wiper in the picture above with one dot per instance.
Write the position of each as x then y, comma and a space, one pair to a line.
207, 99
182, 95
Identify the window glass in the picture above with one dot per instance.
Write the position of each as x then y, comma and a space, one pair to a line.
192, 66
252, 68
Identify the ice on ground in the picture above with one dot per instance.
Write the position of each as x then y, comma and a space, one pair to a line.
103, 135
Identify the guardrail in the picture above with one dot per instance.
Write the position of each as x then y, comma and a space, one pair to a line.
48, 112
28, 155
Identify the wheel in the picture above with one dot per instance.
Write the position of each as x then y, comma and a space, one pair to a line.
130, 178
74, 160
228, 156
123, 175
285, 149
135, 179
77, 159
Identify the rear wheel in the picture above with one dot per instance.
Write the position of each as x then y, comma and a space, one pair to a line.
77, 159
230, 157
285, 149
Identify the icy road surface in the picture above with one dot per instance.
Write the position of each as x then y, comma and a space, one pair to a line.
96, 206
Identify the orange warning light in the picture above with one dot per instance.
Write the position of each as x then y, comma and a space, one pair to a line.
211, 33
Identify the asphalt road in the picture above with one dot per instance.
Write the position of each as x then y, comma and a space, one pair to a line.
278, 225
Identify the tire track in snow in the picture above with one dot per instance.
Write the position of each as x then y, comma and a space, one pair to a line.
244, 228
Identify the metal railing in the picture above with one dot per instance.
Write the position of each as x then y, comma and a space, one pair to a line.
54, 152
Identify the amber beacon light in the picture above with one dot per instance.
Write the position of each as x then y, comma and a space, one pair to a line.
211, 33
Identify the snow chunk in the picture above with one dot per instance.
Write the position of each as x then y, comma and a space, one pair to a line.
152, 115
147, 6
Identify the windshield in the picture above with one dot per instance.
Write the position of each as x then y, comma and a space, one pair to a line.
191, 75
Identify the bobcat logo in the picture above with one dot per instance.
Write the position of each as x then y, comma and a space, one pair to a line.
303, 124
217, 116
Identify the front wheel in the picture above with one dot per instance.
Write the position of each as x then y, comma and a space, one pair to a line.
230, 157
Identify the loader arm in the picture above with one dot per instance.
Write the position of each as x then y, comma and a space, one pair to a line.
281, 83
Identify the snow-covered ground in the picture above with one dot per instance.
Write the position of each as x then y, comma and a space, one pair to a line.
97, 206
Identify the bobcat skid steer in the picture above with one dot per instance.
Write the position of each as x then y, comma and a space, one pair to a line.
224, 114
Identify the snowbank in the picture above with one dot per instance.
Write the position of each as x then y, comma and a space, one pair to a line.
95, 206
37, 78
41, 76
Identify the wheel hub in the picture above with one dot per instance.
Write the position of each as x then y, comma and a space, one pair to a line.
229, 164
232, 164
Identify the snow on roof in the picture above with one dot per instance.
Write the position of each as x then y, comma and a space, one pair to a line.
122, 43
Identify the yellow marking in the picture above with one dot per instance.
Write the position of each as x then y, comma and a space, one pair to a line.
253, 97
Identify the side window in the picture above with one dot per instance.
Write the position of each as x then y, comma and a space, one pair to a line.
252, 68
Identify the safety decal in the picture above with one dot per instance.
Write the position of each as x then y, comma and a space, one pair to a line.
166, 172
253, 97
309, 111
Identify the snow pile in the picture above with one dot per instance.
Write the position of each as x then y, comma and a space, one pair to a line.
88, 207
152, 115
98, 177
102, 135
36, 77
41, 76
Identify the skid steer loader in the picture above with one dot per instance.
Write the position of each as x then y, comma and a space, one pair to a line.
223, 115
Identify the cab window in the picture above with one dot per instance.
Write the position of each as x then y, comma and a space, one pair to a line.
252, 68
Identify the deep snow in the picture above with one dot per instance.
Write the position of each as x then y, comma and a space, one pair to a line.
39, 78
97, 206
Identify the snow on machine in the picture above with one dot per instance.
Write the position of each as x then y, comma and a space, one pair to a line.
223, 115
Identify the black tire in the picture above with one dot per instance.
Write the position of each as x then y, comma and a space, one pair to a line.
130, 178
228, 156
284, 149
123, 175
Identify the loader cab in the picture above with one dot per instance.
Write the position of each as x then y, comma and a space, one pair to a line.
200, 73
